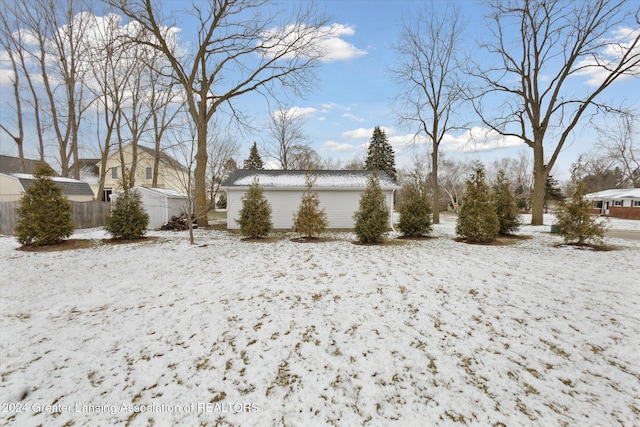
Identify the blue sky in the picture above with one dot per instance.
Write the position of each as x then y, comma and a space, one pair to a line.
355, 94
354, 91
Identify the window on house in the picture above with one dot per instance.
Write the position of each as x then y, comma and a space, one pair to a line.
597, 204
636, 203
149, 173
617, 203
114, 173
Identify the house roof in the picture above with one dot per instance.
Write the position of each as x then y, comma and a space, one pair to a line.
615, 194
69, 186
325, 179
164, 157
10, 165
163, 191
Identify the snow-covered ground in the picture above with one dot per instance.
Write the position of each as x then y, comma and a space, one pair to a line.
229, 332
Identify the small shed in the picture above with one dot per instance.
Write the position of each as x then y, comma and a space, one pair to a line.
13, 186
620, 203
339, 192
160, 203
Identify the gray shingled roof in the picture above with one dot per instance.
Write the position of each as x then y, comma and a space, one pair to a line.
325, 179
9, 165
70, 187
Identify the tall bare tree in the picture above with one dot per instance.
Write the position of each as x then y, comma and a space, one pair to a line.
15, 42
618, 140
429, 81
543, 47
9, 41
286, 132
56, 29
242, 47
222, 148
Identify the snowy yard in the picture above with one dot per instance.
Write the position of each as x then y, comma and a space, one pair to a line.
228, 332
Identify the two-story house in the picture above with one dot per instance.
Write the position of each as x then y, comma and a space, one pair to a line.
171, 174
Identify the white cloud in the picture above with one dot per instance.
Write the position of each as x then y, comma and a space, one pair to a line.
326, 42
478, 139
596, 68
353, 117
366, 132
339, 147
6, 77
335, 47
297, 112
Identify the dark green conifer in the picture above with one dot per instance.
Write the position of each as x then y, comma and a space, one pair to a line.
415, 211
45, 214
128, 218
574, 220
310, 220
254, 161
506, 205
477, 221
372, 217
255, 215
380, 155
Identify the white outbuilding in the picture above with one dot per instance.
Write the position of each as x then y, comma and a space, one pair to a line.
160, 203
339, 192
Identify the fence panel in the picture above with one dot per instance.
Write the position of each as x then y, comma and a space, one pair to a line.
85, 215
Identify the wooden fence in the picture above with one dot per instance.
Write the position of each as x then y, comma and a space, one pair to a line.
85, 215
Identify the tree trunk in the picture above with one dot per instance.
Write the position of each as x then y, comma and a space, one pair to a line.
200, 177
540, 173
434, 183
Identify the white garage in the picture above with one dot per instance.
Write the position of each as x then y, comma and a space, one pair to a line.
339, 192
160, 203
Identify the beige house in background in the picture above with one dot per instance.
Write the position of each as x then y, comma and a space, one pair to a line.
171, 174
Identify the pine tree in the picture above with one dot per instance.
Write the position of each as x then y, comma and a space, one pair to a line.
506, 205
128, 218
380, 155
45, 214
310, 220
574, 220
477, 221
415, 211
254, 161
255, 215
372, 217
552, 190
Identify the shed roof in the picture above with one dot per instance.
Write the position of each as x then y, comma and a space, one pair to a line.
325, 179
615, 194
69, 186
166, 192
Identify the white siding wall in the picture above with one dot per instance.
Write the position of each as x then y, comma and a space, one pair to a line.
339, 206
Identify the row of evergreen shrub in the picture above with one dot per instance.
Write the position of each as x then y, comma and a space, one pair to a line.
44, 216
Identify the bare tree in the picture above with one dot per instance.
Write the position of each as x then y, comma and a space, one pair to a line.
11, 47
303, 157
286, 129
542, 47
430, 84
240, 49
14, 41
453, 175
222, 148
56, 30
618, 142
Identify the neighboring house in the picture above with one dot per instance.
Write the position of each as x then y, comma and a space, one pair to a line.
339, 192
171, 174
620, 203
9, 165
89, 173
161, 204
13, 182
